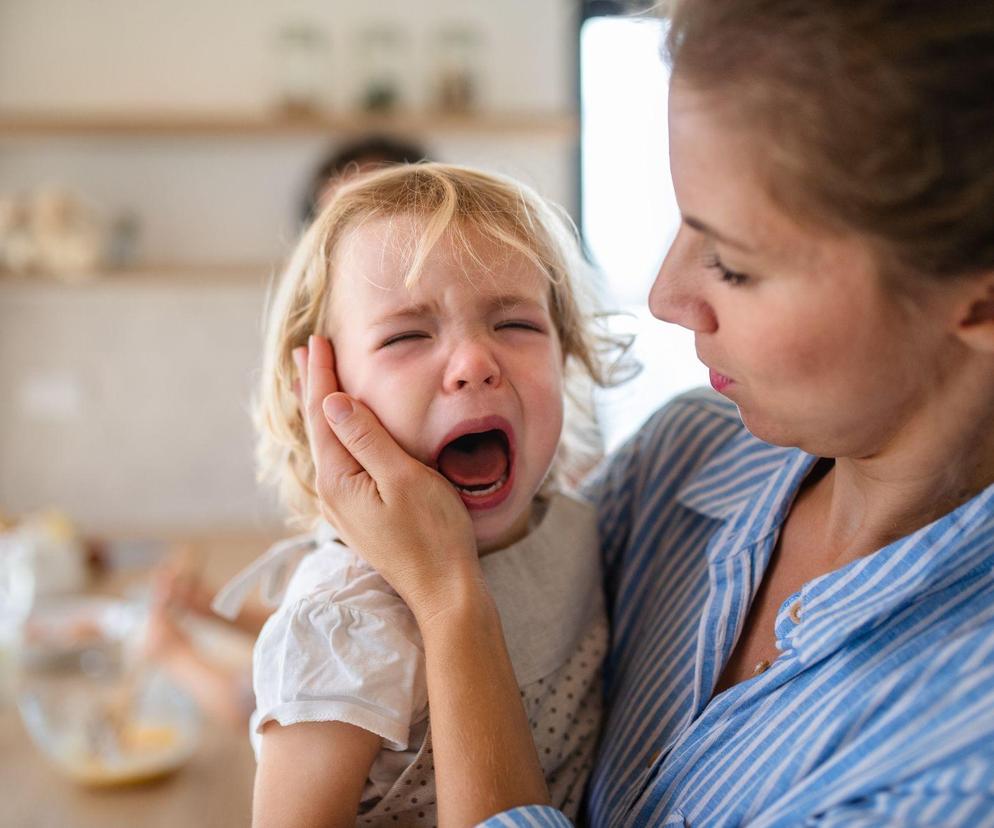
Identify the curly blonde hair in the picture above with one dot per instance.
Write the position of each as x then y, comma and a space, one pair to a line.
461, 204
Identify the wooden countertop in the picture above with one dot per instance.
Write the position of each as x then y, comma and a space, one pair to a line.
213, 789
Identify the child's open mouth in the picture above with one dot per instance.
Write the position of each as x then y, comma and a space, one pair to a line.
478, 463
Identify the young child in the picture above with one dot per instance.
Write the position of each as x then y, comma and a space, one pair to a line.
448, 295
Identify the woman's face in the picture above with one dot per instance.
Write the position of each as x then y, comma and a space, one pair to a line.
796, 324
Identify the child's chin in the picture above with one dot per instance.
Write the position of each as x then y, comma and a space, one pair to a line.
495, 532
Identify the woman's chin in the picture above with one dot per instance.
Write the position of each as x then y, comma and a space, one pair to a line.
767, 428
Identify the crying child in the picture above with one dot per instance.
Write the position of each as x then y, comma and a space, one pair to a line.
449, 298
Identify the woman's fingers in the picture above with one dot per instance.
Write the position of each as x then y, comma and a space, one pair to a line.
408, 522
321, 379
356, 428
318, 380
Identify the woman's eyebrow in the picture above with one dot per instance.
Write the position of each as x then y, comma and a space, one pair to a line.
700, 226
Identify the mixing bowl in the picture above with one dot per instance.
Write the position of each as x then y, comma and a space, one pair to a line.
89, 703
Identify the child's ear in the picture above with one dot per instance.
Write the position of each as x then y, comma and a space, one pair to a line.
975, 326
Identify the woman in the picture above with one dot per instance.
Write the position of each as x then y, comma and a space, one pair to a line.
799, 571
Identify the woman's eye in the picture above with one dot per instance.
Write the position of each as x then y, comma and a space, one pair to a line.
408, 336
732, 277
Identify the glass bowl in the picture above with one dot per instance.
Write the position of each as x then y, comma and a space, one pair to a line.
95, 711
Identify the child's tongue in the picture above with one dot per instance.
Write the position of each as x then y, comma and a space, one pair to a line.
474, 460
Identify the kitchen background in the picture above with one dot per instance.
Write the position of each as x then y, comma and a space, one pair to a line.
170, 145
153, 162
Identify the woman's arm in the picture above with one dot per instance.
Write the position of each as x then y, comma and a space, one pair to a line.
408, 522
311, 774
485, 759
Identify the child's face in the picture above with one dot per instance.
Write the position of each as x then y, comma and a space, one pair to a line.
467, 351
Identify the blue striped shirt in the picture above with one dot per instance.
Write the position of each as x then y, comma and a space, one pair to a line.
879, 709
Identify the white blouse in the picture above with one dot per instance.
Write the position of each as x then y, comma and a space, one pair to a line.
343, 646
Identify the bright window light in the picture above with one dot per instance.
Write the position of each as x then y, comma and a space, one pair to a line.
629, 212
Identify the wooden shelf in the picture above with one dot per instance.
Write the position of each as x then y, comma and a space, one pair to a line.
149, 274
15, 125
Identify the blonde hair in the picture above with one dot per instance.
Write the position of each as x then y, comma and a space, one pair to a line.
460, 204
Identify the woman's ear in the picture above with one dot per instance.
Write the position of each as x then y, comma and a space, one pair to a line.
976, 318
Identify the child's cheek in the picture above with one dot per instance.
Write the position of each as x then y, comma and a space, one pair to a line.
396, 398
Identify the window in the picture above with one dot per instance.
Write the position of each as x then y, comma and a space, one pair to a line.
629, 214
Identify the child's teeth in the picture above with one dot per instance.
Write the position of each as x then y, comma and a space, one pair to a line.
486, 491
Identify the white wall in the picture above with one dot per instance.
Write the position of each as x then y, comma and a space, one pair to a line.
125, 404
228, 199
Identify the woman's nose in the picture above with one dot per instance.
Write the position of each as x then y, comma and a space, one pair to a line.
676, 295
472, 365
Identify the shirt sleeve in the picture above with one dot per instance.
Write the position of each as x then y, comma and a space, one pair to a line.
360, 662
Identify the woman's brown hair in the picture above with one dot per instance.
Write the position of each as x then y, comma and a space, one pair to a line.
876, 116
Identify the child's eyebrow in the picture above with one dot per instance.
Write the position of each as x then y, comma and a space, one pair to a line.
495, 303
408, 312
514, 301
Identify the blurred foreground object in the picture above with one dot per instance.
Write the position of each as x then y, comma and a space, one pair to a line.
209, 658
95, 717
42, 555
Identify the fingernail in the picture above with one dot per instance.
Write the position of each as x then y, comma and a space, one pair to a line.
337, 407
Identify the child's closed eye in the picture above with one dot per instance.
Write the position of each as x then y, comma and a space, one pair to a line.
406, 336
520, 324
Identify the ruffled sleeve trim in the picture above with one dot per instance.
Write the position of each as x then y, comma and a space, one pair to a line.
395, 734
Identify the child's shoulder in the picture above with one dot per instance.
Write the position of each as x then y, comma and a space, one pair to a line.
332, 573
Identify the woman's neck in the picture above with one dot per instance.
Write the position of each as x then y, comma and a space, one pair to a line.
936, 463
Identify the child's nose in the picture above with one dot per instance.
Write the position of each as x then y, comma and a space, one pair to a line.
471, 366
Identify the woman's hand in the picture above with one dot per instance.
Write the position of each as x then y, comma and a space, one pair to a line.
404, 518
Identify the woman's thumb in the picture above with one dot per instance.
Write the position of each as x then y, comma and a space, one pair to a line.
362, 435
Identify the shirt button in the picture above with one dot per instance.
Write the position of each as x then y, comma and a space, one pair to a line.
652, 758
795, 612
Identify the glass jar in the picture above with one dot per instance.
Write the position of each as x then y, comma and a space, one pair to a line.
383, 64
457, 73
302, 52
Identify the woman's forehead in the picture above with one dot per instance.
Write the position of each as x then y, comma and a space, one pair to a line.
721, 179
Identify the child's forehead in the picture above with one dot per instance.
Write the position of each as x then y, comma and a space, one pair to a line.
375, 258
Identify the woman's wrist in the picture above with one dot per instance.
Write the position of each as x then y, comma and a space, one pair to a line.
462, 599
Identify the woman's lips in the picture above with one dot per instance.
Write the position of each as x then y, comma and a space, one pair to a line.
719, 382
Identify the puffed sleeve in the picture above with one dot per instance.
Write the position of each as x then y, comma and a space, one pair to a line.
347, 652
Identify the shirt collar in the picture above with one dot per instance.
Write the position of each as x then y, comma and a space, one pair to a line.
750, 486
936, 560
743, 471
